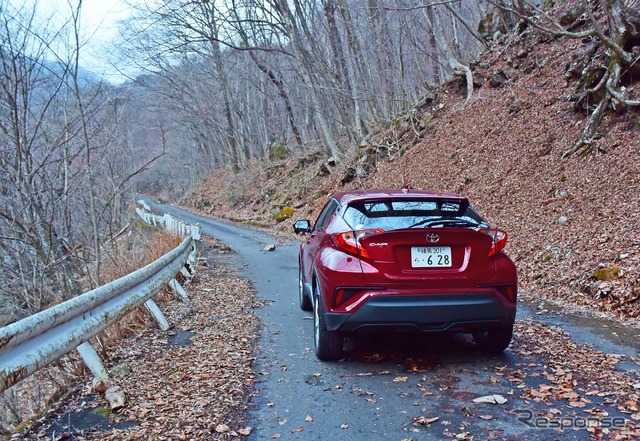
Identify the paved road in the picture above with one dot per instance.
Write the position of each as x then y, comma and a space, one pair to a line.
385, 382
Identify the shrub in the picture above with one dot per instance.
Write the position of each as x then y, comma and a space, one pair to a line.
278, 151
607, 273
284, 214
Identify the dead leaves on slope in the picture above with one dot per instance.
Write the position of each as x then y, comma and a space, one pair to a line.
200, 390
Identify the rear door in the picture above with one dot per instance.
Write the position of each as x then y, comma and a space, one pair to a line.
318, 236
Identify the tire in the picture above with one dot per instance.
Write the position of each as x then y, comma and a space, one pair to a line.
305, 301
328, 344
494, 340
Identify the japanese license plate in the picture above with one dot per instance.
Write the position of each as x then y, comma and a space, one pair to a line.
430, 257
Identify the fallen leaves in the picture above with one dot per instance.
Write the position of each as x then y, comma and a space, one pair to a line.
361, 392
424, 421
201, 390
575, 378
579, 404
490, 399
222, 428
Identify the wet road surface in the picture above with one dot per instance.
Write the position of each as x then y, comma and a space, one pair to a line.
395, 386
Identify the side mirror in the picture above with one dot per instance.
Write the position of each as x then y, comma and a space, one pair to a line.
302, 226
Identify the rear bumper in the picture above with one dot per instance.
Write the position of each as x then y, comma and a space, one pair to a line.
427, 312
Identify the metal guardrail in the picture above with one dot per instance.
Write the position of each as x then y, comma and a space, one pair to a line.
173, 224
35, 341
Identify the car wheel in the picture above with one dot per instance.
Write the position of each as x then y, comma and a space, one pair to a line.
305, 302
328, 344
493, 340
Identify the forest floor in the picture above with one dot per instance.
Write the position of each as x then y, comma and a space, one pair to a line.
572, 222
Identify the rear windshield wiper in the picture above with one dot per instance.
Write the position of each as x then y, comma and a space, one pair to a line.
422, 222
443, 222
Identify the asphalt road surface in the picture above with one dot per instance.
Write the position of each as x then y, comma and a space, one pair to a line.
388, 387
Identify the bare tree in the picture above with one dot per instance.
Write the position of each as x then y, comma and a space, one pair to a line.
34, 248
614, 28
273, 76
61, 184
333, 68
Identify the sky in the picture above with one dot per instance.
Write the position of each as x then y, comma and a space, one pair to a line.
99, 20
99, 27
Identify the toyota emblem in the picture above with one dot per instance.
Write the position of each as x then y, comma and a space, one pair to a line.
433, 238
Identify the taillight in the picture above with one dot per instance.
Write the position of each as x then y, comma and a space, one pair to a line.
349, 241
498, 237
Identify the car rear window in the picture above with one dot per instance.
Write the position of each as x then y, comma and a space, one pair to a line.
395, 214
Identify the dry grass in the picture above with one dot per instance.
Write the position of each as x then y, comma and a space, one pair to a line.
20, 404
139, 249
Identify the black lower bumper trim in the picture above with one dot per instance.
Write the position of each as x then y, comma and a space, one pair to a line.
429, 312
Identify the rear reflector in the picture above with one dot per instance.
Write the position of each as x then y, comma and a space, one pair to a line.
342, 295
509, 291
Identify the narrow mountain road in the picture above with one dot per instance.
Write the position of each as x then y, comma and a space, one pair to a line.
396, 387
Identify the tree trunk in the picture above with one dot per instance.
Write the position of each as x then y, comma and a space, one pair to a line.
307, 73
359, 74
275, 80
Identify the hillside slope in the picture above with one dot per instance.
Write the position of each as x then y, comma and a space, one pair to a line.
573, 223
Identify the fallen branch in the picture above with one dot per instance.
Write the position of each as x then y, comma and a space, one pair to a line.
585, 143
618, 95
464, 71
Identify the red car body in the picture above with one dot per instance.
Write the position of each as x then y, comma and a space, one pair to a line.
405, 259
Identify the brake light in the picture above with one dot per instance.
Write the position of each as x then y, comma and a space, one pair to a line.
499, 238
349, 241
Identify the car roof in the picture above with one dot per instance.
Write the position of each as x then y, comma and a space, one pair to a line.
345, 197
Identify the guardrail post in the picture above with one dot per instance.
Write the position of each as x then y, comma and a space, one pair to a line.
178, 289
195, 232
92, 360
185, 272
157, 314
35, 341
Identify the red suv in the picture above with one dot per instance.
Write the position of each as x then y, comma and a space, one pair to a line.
405, 259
